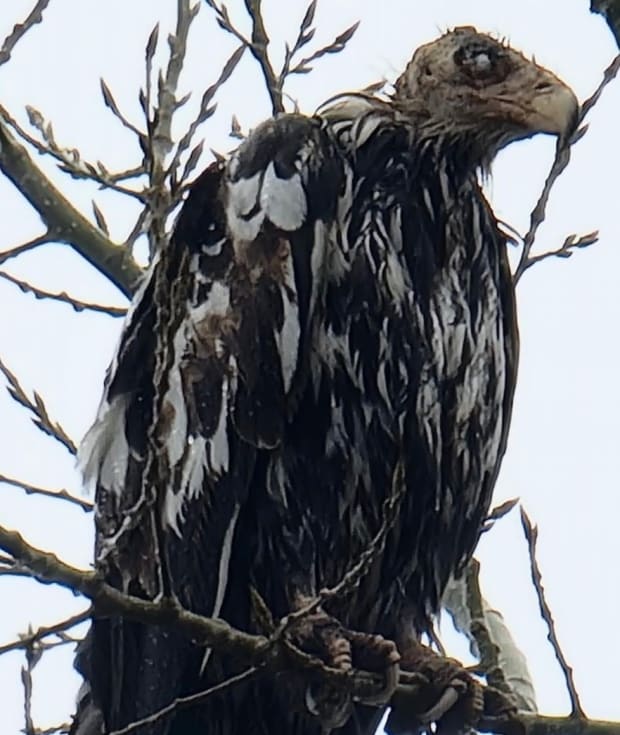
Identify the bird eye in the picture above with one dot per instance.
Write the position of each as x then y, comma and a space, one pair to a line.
482, 62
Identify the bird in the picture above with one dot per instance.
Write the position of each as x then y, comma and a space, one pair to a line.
321, 362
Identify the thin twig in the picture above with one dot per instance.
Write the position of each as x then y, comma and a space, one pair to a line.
41, 418
69, 159
26, 675
64, 495
255, 650
27, 640
20, 29
63, 297
24, 247
562, 157
205, 111
531, 535
189, 701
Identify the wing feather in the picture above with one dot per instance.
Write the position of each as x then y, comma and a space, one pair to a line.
209, 363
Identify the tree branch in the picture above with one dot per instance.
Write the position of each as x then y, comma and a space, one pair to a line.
27, 640
65, 223
531, 535
42, 419
63, 297
562, 157
257, 650
20, 29
85, 505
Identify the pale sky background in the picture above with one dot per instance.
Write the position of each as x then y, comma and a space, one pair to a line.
562, 459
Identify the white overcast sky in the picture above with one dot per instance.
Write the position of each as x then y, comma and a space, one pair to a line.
562, 459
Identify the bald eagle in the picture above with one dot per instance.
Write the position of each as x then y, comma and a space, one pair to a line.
335, 300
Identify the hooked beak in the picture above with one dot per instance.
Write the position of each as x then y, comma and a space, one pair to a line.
554, 108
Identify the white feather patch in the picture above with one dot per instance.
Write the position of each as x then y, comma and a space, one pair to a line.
104, 452
218, 449
174, 402
243, 198
283, 200
287, 338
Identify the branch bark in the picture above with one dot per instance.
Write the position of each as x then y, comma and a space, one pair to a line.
63, 221
258, 650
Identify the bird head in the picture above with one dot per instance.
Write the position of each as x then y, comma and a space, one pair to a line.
471, 88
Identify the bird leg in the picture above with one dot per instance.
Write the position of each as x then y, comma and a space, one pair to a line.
323, 636
452, 698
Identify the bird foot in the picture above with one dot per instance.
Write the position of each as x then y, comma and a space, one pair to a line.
452, 697
323, 636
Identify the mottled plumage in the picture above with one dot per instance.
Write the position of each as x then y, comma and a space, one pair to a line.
334, 293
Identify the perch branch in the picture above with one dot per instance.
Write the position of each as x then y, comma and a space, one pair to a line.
257, 650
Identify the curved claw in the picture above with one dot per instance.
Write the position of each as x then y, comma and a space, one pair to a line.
447, 700
332, 717
384, 694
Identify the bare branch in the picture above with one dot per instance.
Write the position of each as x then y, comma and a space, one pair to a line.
499, 512
258, 48
64, 223
335, 47
27, 640
75, 304
570, 244
69, 159
41, 418
167, 102
47, 568
65, 495
24, 247
562, 157
20, 29
531, 535
206, 110
26, 675
190, 701
110, 102
258, 650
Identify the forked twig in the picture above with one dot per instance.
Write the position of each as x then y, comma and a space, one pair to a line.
29, 639
41, 418
531, 535
562, 157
